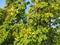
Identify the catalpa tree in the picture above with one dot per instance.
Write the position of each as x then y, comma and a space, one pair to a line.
40, 26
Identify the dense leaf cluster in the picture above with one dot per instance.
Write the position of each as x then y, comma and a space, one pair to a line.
41, 26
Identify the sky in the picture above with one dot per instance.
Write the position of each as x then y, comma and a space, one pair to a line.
2, 3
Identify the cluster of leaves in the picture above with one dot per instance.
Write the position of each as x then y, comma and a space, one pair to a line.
34, 28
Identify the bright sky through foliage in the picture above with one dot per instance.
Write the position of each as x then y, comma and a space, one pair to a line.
2, 3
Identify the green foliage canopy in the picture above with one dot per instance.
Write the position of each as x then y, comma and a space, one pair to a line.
34, 28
